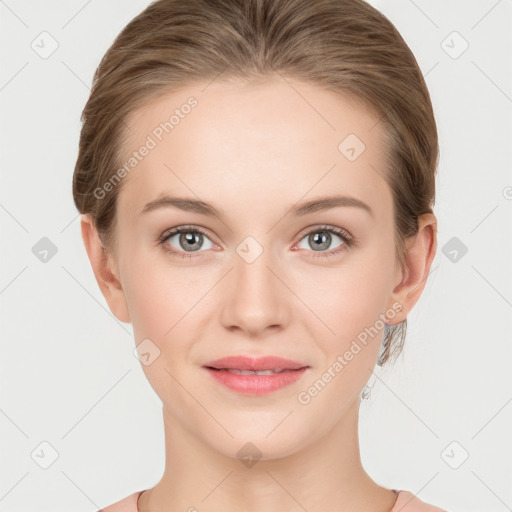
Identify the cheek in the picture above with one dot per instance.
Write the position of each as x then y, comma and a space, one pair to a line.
149, 304
163, 298
161, 309
350, 303
153, 295
348, 298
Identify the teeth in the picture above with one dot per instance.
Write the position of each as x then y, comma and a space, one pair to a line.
254, 372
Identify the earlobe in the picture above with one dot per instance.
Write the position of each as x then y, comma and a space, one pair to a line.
104, 268
421, 250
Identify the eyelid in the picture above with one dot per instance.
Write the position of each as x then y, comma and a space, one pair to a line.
348, 241
347, 238
325, 227
179, 229
168, 233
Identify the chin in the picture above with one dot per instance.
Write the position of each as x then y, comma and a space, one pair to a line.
253, 443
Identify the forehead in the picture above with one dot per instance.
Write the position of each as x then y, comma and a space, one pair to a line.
275, 140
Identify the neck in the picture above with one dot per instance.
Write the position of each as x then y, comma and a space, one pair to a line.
325, 475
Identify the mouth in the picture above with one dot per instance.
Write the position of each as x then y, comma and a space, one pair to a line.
255, 376
250, 372
255, 364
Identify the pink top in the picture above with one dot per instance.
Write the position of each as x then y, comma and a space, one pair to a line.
405, 502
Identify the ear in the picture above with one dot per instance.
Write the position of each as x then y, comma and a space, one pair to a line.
105, 270
421, 250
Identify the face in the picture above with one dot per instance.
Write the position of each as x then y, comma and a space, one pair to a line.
265, 275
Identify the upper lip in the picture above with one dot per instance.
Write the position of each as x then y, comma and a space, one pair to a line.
254, 363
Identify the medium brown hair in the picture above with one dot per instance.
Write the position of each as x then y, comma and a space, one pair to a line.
345, 46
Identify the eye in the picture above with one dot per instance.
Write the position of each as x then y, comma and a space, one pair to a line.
321, 239
187, 240
190, 239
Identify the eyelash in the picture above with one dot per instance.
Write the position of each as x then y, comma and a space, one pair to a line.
348, 240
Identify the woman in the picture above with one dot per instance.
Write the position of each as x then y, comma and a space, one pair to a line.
256, 181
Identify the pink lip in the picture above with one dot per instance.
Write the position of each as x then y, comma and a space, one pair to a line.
254, 363
256, 385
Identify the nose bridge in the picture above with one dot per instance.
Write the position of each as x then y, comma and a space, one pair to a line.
256, 296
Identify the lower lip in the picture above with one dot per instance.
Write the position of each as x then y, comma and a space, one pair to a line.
256, 385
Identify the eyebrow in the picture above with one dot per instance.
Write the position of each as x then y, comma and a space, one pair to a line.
300, 209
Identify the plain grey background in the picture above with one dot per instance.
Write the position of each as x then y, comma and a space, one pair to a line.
74, 397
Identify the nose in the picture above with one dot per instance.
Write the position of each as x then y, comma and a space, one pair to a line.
257, 300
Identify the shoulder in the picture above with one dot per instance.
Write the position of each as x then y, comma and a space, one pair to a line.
128, 504
409, 502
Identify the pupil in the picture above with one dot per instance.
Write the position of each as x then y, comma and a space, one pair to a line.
189, 238
321, 239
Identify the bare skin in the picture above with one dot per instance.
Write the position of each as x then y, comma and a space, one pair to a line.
254, 151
